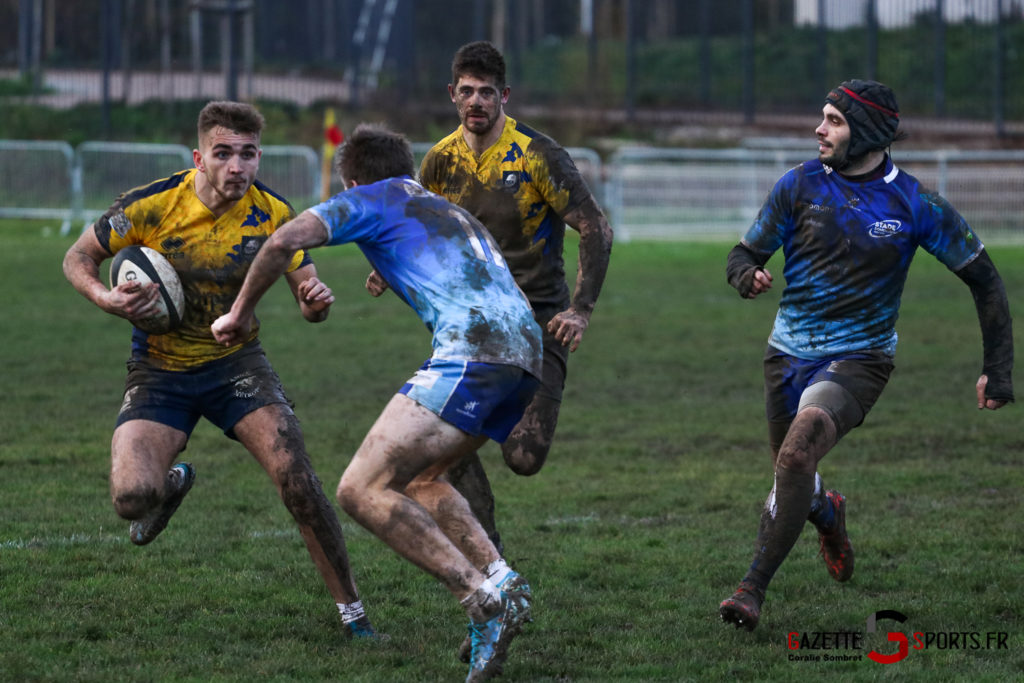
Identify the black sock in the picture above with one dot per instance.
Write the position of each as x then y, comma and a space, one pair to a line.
782, 520
823, 514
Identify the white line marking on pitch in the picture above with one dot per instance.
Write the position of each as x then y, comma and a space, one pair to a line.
89, 539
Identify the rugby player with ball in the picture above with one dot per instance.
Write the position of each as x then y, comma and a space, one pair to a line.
208, 222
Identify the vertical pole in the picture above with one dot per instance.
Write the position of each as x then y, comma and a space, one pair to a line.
229, 55
590, 20
107, 30
196, 29
406, 49
748, 99
998, 95
704, 50
940, 59
37, 46
479, 20
820, 77
329, 52
499, 13
872, 47
165, 48
25, 16
517, 38
126, 50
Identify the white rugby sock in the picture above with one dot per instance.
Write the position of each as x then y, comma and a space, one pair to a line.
497, 571
351, 611
483, 603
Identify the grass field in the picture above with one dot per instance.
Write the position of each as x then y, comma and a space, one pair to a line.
642, 521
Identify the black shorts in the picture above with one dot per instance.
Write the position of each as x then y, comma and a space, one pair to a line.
556, 355
862, 374
223, 391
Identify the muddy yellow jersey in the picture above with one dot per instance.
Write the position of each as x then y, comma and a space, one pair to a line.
211, 255
519, 188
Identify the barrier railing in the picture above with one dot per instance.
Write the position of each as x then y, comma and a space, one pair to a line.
648, 193
716, 193
37, 180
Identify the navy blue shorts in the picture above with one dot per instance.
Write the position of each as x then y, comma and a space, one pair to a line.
863, 374
478, 398
223, 391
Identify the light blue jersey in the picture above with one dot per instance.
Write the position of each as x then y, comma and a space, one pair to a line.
848, 247
441, 261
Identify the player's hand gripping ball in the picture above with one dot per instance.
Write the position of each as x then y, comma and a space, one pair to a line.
145, 265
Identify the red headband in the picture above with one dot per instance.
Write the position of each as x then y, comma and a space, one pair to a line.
870, 103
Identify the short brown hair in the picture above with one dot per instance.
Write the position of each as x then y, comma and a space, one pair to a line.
481, 60
372, 153
235, 116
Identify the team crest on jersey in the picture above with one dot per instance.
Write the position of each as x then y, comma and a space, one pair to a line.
246, 250
886, 228
510, 181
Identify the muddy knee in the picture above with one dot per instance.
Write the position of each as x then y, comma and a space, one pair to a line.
349, 493
302, 495
812, 434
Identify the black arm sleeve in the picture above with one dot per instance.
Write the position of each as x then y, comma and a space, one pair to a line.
741, 265
996, 326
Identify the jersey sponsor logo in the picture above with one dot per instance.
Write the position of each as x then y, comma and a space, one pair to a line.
886, 228
172, 247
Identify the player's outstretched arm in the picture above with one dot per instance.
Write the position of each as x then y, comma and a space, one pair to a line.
995, 386
270, 263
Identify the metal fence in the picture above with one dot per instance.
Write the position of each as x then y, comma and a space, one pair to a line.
947, 59
37, 181
648, 193
701, 194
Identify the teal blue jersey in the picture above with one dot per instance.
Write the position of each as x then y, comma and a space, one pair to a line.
441, 261
848, 247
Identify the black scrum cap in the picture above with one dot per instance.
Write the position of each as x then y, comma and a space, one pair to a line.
871, 111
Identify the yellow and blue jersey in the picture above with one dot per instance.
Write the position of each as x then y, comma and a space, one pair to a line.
519, 188
210, 254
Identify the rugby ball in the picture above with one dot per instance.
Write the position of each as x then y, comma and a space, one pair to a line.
142, 264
